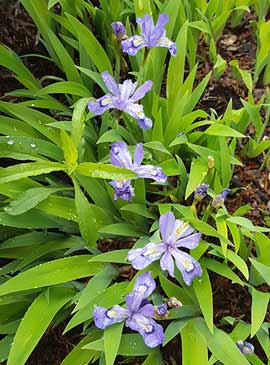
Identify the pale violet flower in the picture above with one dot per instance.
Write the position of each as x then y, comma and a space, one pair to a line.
201, 192
121, 157
220, 198
175, 234
245, 347
138, 314
119, 30
151, 36
161, 310
123, 97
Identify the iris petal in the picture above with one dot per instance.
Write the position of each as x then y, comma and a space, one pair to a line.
104, 317
140, 258
189, 267
152, 332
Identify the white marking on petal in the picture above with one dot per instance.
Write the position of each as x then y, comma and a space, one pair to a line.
150, 251
164, 41
111, 313
188, 265
138, 41
106, 101
147, 328
120, 184
180, 227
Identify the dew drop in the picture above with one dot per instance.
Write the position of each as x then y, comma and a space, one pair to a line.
33, 145
10, 142
7, 136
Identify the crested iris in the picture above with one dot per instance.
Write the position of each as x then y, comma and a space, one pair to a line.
219, 199
151, 36
123, 97
121, 157
138, 314
175, 234
119, 30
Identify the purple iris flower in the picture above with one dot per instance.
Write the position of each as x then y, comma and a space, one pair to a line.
162, 310
138, 314
119, 30
123, 97
121, 157
151, 36
201, 192
175, 234
219, 199
245, 347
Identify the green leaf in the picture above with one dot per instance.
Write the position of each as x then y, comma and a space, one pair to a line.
37, 120
31, 219
121, 229
263, 270
5, 345
69, 148
173, 330
107, 297
259, 306
142, 7
206, 229
194, 349
99, 282
173, 290
51, 3
78, 119
52, 273
12, 61
86, 217
80, 356
246, 223
219, 129
198, 171
20, 171
38, 251
176, 67
204, 294
138, 209
112, 338
222, 270
154, 358
93, 48
65, 87
235, 259
104, 171
30, 199
130, 345
220, 344
117, 256
35, 322
157, 146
